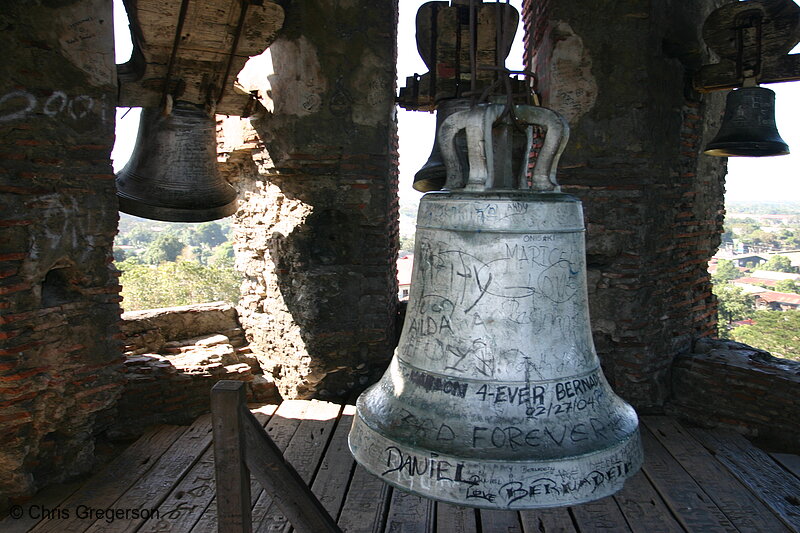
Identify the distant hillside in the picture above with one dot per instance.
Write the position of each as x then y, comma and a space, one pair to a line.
764, 208
127, 223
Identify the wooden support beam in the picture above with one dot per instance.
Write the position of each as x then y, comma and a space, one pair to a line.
206, 50
723, 75
250, 445
232, 477
752, 40
288, 489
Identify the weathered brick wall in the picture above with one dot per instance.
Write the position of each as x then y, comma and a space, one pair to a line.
59, 358
728, 384
653, 204
316, 232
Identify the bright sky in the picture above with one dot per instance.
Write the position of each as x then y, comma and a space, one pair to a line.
753, 179
127, 118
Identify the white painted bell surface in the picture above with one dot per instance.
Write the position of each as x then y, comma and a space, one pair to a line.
495, 397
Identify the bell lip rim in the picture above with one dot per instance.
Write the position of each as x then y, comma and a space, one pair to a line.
717, 152
426, 185
630, 439
594, 497
462, 503
164, 213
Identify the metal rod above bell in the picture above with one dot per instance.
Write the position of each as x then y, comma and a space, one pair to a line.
748, 126
172, 174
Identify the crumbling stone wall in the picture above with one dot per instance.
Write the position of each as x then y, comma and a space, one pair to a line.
621, 74
173, 357
316, 232
59, 357
728, 384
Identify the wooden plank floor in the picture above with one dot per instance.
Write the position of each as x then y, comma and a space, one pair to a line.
693, 480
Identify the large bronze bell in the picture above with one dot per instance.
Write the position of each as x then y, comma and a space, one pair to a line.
495, 397
172, 174
748, 126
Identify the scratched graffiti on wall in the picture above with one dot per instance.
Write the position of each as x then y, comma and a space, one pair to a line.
21, 105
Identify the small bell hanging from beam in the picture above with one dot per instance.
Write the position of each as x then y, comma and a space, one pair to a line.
172, 174
748, 126
752, 40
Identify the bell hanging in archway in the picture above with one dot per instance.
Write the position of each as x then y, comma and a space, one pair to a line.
748, 126
172, 174
495, 397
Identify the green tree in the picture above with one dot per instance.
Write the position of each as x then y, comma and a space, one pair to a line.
129, 262
165, 247
207, 233
407, 243
141, 235
747, 222
777, 332
732, 303
763, 238
200, 254
786, 237
779, 263
223, 255
727, 234
788, 285
181, 283
744, 229
726, 271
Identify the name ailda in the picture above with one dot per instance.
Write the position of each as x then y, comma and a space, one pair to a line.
430, 325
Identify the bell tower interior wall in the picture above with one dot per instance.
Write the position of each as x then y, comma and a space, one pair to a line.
316, 233
60, 357
317, 228
653, 203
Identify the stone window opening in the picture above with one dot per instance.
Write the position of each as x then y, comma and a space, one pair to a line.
179, 334
738, 252
185, 278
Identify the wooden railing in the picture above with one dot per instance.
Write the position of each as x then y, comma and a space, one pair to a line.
242, 447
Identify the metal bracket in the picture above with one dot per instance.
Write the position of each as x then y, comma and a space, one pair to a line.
477, 123
555, 141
